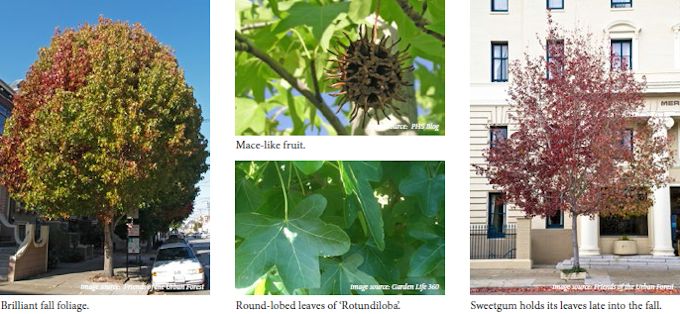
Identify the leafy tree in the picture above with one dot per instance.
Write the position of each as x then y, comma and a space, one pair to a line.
104, 123
570, 151
283, 51
315, 227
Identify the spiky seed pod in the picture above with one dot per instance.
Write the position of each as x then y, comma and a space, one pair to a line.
369, 75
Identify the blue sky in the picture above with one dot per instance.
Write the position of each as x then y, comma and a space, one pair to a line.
182, 25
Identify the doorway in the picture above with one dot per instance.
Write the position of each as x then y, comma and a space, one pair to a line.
675, 218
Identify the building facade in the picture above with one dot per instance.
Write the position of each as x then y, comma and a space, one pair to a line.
7, 205
645, 37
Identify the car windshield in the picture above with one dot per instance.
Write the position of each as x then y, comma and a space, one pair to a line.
175, 253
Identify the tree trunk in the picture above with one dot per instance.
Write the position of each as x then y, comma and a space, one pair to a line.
574, 239
108, 249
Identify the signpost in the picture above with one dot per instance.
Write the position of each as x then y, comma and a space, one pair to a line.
133, 246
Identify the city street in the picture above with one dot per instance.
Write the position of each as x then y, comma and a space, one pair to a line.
201, 248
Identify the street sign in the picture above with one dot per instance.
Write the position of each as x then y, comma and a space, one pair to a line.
133, 245
133, 230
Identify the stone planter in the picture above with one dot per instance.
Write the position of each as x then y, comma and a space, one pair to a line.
625, 247
574, 276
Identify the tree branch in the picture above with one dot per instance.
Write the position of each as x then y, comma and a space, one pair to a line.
253, 26
418, 19
243, 44
315, 81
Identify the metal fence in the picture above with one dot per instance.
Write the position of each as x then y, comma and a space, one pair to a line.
493, 244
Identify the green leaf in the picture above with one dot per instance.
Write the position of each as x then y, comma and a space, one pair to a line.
308, 167
339, 23
298, 124
428, 257
293, 246
423, 231
351, 209
337, 277
359, 10
356, 176
427, 47
436, 11
317, 17
249, 116
248, 198
380, 264
428, 190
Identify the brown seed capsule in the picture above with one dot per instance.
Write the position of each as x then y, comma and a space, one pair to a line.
369, 75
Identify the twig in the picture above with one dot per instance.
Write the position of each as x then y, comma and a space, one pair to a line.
243, 44
253, 26
315, 81
418, 19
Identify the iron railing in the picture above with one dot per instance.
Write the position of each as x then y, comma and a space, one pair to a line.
489, 243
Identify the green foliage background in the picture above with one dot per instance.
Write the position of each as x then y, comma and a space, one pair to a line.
298, 32
315, 227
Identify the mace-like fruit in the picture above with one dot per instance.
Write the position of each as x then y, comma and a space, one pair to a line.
370, 75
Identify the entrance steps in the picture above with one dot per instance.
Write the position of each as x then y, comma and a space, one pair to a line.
5, 253
635, 262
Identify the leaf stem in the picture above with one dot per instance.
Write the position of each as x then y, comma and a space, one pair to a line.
335, 166
436, 170
283, 189
302, 41
290, 174
302, 187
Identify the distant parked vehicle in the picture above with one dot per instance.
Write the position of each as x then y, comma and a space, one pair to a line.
176, 267
173, 238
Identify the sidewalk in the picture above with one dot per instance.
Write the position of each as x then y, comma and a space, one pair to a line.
547, 280
77, 278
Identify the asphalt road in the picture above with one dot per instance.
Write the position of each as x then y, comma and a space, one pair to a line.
201, 248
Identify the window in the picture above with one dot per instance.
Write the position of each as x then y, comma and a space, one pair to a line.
499, 5
496, 216
617, 226
622, 54
497, 133
627, 139
4, 114
555, 221
555, 56
554, 4
622, 3
499, 61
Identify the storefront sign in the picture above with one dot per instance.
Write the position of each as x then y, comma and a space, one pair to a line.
669, 103
662, 104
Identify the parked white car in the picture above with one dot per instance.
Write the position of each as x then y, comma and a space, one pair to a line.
177, 268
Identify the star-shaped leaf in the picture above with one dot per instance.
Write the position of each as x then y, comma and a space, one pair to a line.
428, 190
293, 245
338, 277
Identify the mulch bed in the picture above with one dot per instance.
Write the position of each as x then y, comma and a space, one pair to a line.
571, 290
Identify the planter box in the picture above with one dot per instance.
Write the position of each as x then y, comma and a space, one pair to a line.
574, 276
625, 247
